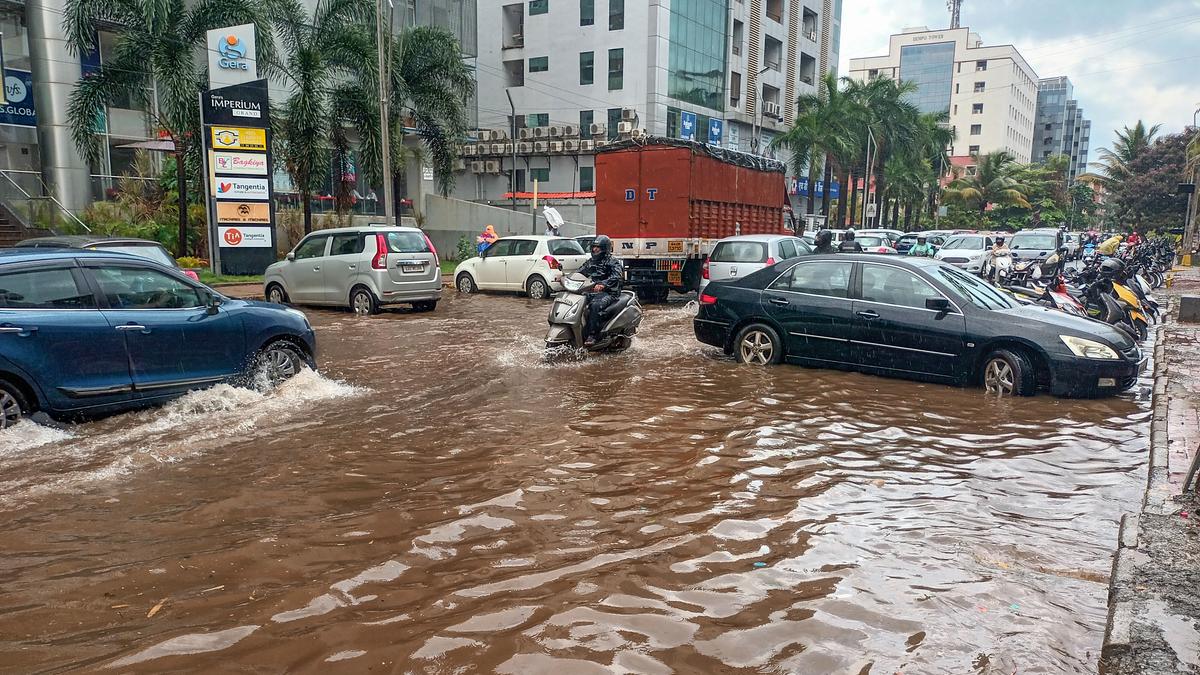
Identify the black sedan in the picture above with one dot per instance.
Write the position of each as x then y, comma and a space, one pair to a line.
916, 318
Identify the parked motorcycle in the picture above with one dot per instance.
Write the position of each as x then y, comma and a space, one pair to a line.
568, 319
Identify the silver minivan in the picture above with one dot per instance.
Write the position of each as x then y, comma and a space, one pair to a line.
735, 257
361, 268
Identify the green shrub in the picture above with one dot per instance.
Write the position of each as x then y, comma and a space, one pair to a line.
466, 249
191, 262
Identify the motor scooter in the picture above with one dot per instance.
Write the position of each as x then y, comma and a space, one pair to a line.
569, 315
998, 267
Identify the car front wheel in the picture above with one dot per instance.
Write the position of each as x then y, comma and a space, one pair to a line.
276, 363
12, 405
276, 294
759, 345
465, 284
1008, 373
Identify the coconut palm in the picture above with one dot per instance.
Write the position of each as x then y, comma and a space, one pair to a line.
1130, 143
319, 53
160, 44
993, 182
893, 122
821, 134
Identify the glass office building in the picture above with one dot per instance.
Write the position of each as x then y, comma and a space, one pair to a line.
931, 68
696, 62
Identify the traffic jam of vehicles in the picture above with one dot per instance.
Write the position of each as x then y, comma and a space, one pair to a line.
92, 327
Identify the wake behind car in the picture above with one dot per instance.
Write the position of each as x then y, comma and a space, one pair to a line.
362, 268
916, 318
85, 333
533, 265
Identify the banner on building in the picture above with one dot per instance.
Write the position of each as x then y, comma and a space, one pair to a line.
18, 109
799, 186
716, 130
687, 125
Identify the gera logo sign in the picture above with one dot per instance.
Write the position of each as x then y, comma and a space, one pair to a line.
232, 56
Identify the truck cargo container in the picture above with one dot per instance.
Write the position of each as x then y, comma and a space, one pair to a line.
665, 203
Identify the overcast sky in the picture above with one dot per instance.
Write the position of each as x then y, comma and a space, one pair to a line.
1128, 59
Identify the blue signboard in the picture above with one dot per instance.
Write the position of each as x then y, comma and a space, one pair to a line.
18, 89
687, 125
800, 187
716, 129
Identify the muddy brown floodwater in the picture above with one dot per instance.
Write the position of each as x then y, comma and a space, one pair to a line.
440, 500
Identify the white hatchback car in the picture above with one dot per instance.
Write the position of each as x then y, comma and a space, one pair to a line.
533, 265
735, 257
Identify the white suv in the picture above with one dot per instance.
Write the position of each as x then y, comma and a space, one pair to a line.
533, 265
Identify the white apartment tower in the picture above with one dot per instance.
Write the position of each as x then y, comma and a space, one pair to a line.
585, 72
989, 92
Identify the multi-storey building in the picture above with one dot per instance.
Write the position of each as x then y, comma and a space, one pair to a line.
567, 76
1060, 127
988, 92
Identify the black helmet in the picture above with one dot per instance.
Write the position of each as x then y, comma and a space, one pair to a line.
605, 245
999, 240
823, 238
849, 236
1112, 266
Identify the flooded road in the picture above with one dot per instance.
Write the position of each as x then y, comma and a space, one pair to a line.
440, 500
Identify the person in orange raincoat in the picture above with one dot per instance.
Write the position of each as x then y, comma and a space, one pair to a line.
485, 239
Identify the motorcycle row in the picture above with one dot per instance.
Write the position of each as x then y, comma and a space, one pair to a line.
1116, 289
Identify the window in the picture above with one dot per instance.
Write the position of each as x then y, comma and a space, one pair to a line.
772, 53
894, 286
1047, 127
523, 247
42, 289
587, 178
587, 12
347, 244
831, 279
980, 66
979, 87
153, 252
976, 108
930, 67
739, 252
564, 247
540, 175
614, 119
956, 88
735, 88
538, 7
971, 289
616, 14
976, 129
537, 120
972, 149
739, 33
775, 10
313, 247
587, 67
501, 247
407, 242
616, 69
787, 249
872, 73
586, 119
141, 288
539, 64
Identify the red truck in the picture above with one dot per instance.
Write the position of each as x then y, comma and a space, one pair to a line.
665, 203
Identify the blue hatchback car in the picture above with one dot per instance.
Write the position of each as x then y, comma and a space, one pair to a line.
87, 333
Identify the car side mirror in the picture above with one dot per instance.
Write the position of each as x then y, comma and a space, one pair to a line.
213, 305
937, 304
291, 256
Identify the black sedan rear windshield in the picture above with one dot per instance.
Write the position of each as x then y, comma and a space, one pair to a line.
739, 252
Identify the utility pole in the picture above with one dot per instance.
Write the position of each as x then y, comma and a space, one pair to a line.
955, 7
754, 138
389, 202
512, 175
870, 174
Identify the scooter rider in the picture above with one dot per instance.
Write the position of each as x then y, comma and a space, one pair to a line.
999, 250
921, 248
606, 274
824, 243
848, 244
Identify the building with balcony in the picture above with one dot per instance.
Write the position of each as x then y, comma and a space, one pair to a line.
1060, 127
988, 92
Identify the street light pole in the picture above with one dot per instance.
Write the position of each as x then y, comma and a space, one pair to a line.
869, 175
512, 175
389, 202
754, 137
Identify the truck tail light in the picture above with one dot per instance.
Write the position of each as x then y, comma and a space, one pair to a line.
704, 271
379, 262
552, 262
706, 299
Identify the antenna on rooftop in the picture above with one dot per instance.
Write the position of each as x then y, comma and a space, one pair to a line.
955, 7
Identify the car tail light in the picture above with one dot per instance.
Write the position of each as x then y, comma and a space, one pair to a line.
432, 248
770, 261
192, 275
704, 270
379, 262
552, 262
706, 299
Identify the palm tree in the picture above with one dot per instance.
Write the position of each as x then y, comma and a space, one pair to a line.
892, 120
1130, 143
907, 178
428, 89
319, 53
992, 183
818, 135
156, 46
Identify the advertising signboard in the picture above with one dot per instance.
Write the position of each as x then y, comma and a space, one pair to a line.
245, 237
232, 57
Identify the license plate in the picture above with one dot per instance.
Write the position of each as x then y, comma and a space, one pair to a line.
675, 246
412, 268
675, 278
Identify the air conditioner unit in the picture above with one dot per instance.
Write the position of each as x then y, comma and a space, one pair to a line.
539, 132
524, 148
556, 146
587, 146
571, 146
628, 115
524, 133
599, 129
540, 147
637, 134
556, 131
499, 135
600, 143
497, 148
468, 150
625, 127
492, 167
483, 135
570, 131
770, 108
477, 167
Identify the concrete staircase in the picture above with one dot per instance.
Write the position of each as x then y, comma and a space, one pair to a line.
12, 230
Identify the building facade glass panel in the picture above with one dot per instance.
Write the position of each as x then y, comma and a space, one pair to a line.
931, 68
696, 60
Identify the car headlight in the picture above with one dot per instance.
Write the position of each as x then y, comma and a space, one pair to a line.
1088, 349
